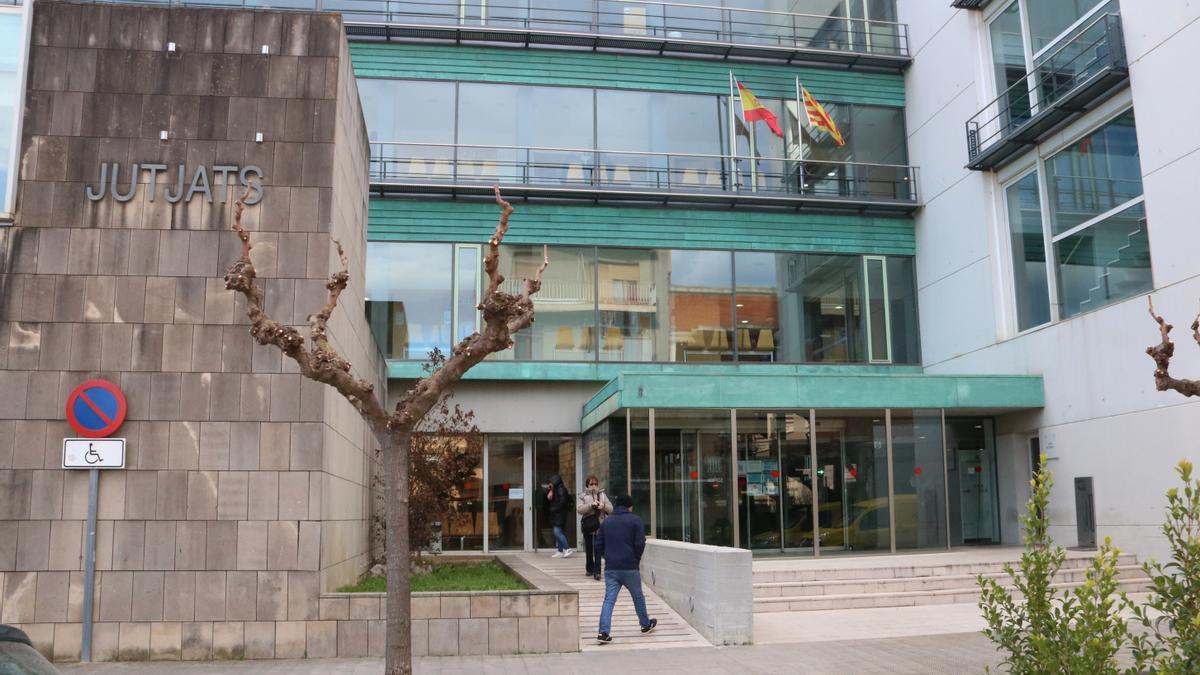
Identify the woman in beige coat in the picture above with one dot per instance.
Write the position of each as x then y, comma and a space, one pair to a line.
593, 505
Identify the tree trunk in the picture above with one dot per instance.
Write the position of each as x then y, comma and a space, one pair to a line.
398, 652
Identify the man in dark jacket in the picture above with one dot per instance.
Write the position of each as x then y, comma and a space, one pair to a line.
621, 541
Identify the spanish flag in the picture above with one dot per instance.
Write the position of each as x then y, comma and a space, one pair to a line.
753, 110
819, 118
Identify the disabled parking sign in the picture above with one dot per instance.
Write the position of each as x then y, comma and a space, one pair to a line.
96, 409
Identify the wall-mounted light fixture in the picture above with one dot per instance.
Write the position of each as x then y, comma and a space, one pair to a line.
162, 135
266, 50
258, 137
172, 48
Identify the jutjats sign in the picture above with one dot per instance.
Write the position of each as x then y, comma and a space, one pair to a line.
185, 185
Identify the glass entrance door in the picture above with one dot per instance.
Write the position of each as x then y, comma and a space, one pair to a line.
553, 456
506, 493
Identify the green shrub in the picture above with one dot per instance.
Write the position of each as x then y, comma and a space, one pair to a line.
1171, 614
1043, 632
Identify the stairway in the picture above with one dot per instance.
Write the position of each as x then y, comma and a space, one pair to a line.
902, 583
1102, 292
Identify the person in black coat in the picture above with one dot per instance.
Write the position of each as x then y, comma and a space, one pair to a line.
558, 505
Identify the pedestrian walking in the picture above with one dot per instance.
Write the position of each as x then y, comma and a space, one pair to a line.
594, 507
620, 542
558, 504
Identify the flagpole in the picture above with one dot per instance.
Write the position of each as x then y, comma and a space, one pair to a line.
733, 182
801, 118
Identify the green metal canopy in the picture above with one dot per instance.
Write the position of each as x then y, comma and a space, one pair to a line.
818, 390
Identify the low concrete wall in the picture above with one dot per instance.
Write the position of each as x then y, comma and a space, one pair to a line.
541, 619
711, 587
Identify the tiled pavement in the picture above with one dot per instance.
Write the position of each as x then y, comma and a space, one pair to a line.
950, 654
672, 630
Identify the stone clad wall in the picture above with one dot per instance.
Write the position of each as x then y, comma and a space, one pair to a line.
710, 586
244, 495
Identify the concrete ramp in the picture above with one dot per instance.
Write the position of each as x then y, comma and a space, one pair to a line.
672, 630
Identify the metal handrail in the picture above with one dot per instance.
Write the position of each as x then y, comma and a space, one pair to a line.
399, 162
1031, 89
724, 25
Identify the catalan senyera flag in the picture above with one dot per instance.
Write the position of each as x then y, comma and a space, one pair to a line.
819, 118
753, 110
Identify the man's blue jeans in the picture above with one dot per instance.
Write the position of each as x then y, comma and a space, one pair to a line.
560, 539
613, 581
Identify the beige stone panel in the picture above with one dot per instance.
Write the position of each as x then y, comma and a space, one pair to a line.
52, 592
66, 544
377, 637
111, 504
68, 641
321, 639
456, 606
222, 545
184, 445
252, 545
260, 640
335, 608
197, 641
172, 495
210, 596
228, 640
282, 540
420, 637
543, 604
472, 637
129, 544
293, 495
241, 596
563, 634
191, 544
141, 494
272, 596
568, 604
179, 596
514, 605
352, 639
232, 495
485, 606
46, 489
202, 495
75, 495
302, 595
264, 495
274, 445
289, 639
105, 639
166, 641
365, 608
134, 642
214, 448
532, 635
115, 591
160, 545
502, 636
308, 556
443, 637
42, 637
104, 544
75, 599
147, 596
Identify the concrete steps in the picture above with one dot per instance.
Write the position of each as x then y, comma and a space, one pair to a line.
808, 587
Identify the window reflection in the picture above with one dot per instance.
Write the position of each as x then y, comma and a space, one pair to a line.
1095, 174
644, 305
10, 37
408, 290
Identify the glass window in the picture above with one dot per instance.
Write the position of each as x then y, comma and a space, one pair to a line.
828, 289
877, 309
701, 301
553, 456
1094, 175
565, 306
852, 481
1049, 18
468, 271
604, 454
1028, 252
1104, 262
408, 289
1008, 59
410, 112
774, 480
919, 479
902, 301
462, 527
758, 306
633, 304
876, 136
11, 29
639, 464
632, 122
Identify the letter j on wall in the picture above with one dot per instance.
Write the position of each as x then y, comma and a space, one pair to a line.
96, 409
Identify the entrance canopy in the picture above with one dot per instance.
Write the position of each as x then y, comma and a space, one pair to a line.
980, 393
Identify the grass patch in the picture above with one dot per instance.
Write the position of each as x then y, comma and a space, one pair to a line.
485, 576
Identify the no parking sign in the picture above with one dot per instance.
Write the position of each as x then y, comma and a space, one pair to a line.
96, 408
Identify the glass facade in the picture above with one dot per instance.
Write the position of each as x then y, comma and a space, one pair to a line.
646, 305
861, 480
1092, 210
12, 45
626, 139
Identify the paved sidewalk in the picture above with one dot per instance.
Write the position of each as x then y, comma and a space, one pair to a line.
950, 654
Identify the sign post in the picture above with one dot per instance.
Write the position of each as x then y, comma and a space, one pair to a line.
95, 409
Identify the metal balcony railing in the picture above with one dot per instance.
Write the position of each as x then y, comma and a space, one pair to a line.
432, 167
641, 20
1071, 79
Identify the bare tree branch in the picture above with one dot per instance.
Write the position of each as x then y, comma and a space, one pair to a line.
1162, 353
323, 363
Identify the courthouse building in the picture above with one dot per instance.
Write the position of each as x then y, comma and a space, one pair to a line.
842, 311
